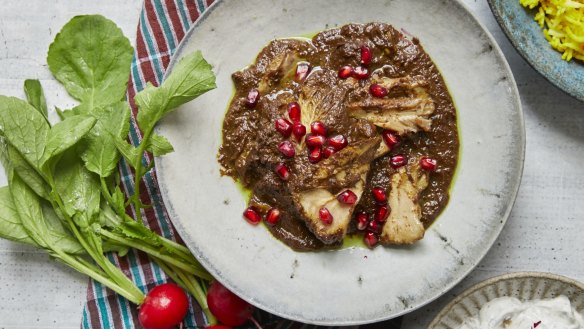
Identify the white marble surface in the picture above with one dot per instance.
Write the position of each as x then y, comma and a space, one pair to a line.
544, 232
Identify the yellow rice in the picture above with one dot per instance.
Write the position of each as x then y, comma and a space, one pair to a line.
562, 22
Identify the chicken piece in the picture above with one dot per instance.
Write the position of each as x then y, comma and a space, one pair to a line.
277, 69
310, 202
404, 114
403, 225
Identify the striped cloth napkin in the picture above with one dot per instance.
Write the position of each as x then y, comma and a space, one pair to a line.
162, 25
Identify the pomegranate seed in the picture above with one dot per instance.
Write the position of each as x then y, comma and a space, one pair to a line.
298, 130
315, 155
338, 142
273, 216
252, 215
390, 139
313, 141
379, 195
428, 164
325, 216
360, 73
398, 160
328, 152
283, 171
370, 239
362, 219
287, 149
284, 127
366, 55
345, 72
373, 226
252, 98
294, 111
302, 70
381, 213
347, 197
378, 90
318, 128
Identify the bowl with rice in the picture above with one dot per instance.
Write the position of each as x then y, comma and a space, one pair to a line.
549, 34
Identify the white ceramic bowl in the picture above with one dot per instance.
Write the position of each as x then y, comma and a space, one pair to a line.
521, 285
352, 285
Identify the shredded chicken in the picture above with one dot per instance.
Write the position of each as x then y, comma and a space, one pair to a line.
403, 225
277, 69
404, 114
310, 202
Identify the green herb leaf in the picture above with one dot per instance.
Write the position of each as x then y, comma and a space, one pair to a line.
66, 134
61, 236
118, 199
135, 230
91, 58
159, 145
13, 159
24, 128
78, 188
10, 226
191, 77
35, 96
129, 152
32, 217
100, 154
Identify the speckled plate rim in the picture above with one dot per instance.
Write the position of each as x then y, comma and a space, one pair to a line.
514, 185
564, 86
499, 278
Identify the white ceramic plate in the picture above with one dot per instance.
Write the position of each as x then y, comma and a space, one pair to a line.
355, 285
522, 285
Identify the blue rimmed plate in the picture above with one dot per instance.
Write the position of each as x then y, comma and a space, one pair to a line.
527, 37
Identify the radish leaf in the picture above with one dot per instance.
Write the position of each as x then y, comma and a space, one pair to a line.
91, 58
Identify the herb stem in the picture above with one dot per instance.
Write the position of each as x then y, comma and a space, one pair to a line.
189, 268
194, 287
82, 266
138, 173
113, 272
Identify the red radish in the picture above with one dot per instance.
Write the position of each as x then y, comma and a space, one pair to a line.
298, 130
302, 70
287, 149
381, 213
227, 307
252, 98
284, 127
338, 142
315, 155
373, 226
294, 111
165, 306
283, 171
273, 216
318, 128
370, 239
366, 55
345, 72
325, 216
379, 195
378, 91
328, 151
252, 215
390, 139
360, 73
313, 141
398, 160
362, 219
347, 197
428, 164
